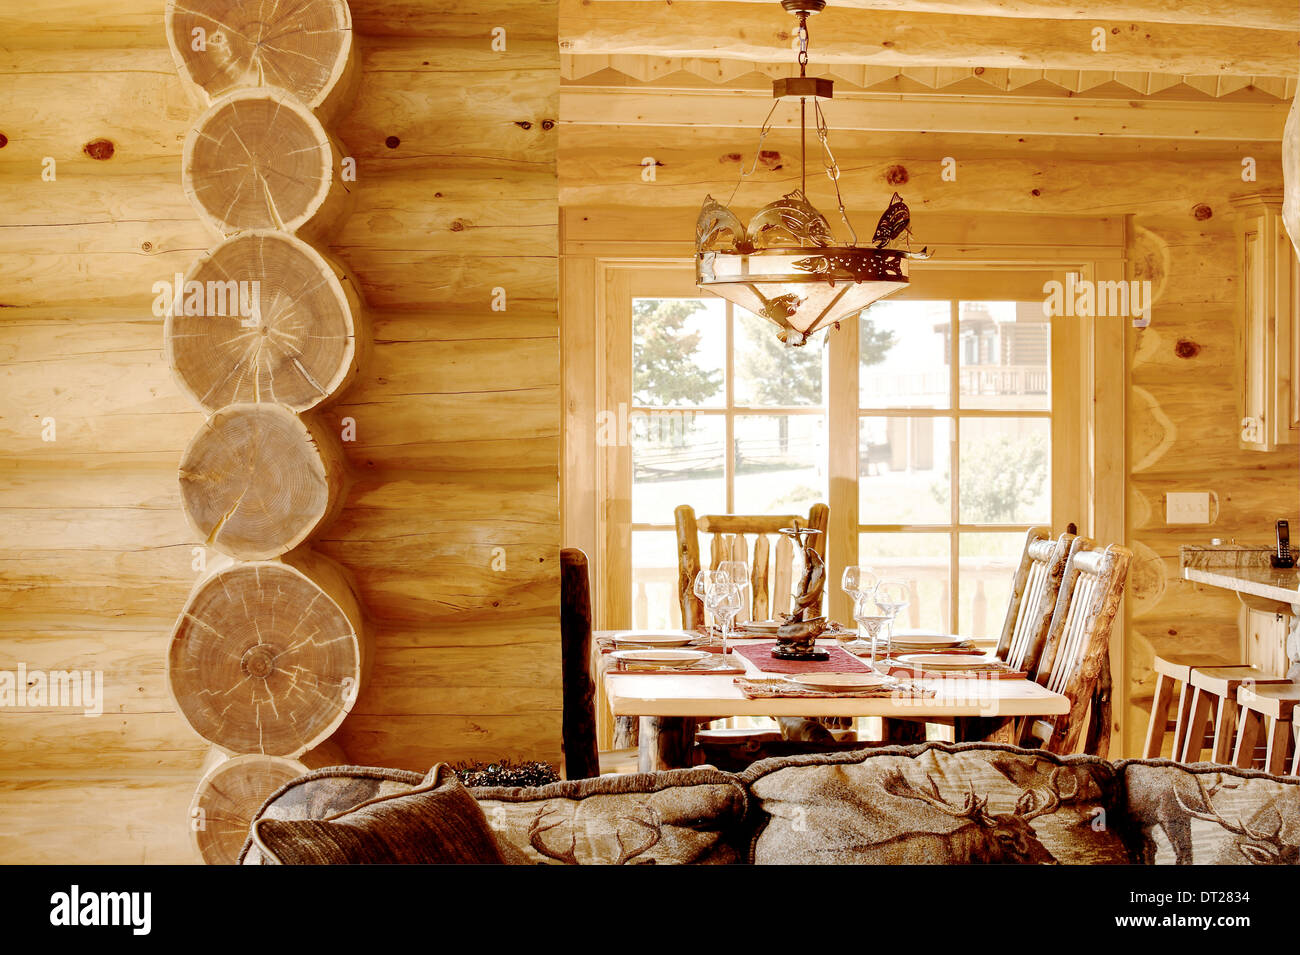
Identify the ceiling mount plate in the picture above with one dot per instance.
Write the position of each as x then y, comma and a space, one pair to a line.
806, 7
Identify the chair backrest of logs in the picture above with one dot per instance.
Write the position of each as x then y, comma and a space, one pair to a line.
1033, 597
1078, 641
774, 563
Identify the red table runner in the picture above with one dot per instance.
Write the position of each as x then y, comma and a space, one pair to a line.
841, 661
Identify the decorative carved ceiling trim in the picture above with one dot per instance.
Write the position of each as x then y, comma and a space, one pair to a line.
576, 67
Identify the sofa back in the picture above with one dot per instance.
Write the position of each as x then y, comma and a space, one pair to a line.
1210, 814
681, 816
936, 803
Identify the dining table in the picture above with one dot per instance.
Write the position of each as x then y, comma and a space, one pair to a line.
671, 704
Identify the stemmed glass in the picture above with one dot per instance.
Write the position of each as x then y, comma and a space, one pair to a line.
892, 596
737, 572
727, 603
871, 617
858, 582
703, 587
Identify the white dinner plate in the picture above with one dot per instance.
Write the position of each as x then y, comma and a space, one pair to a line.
762, 626
927, 641
661, 658
840, 681
946, 661
654, 638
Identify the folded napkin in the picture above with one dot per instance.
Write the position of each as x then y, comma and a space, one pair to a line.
959, 648
996, 671
703, 642
769, 689
714, 664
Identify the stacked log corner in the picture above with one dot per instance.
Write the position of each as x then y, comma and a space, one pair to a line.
270, 651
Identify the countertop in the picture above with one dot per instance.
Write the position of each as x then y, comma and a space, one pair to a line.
1244, 569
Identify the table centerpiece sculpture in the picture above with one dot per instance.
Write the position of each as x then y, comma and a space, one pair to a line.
797, 637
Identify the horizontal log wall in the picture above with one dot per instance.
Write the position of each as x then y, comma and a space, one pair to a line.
456, 414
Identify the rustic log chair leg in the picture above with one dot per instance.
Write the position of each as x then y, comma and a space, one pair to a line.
1243, 754
1097, 740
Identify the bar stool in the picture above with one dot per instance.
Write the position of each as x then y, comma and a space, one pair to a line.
1217, 687
1277, 703
1171, 671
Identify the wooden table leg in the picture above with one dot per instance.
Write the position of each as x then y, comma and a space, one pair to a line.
901, 732
987, 729
666, 742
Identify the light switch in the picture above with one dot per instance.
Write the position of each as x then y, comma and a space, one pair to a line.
1187, 507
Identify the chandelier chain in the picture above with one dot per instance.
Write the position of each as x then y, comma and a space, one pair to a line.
833, 169
803, 44
758, 152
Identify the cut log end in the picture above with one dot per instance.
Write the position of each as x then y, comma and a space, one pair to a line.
258, 159
257, 481
266, 659
224, 45
229, 796
263, 317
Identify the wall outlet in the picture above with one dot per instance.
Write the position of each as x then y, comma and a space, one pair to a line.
1187, 507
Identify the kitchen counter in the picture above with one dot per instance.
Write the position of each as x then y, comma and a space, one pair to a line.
1270, 592
1244, 569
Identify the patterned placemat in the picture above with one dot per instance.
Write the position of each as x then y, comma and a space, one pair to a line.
840, 661
770, 689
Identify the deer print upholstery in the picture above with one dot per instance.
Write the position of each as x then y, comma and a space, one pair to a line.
950, 805
683, 816
1209, 814
935, 803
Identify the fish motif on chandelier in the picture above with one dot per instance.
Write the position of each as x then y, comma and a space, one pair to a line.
789, 222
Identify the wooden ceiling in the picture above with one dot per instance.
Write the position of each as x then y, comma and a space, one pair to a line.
1184, 70
1256, 37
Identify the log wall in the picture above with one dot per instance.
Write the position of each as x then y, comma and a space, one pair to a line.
451, 526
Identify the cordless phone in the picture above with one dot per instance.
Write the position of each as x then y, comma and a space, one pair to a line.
1283, 556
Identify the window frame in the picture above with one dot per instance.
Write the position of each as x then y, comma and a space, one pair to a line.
599, 244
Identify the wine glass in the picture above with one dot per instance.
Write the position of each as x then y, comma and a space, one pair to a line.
737, 572
858, 583
703, 586
892, 596
871, 618
727, 603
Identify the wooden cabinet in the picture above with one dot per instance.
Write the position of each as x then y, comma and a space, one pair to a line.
1268, 304
1264, 636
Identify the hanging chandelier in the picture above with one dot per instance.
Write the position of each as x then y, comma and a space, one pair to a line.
786, 266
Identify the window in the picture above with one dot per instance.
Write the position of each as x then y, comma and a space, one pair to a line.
954, 457
946, 405
723, 418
